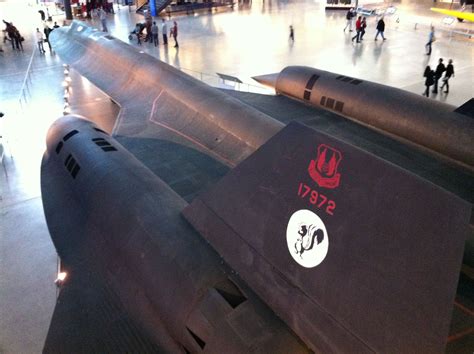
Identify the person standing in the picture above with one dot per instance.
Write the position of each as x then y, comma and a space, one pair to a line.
103, 19
292, 34
110, 5
148, 25
11, 31
164, 31
154, 32
174, 34
363, 26
380, 29
447, 75
429, 75
349, 15
431, 39
138, 32
39, 39
358, 29
47, 31
18, 40
440, 69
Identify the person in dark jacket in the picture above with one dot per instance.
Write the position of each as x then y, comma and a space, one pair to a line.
440, 69
380, 29
447, 75
363, 26
429, 75
11, 32
349, 16
42, 14
47, 31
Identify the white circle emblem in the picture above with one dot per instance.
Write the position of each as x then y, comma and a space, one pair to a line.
307, 238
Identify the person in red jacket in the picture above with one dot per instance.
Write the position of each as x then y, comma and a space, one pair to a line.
358, 29
174, 34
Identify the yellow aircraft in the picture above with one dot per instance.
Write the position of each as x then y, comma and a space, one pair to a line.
460, 15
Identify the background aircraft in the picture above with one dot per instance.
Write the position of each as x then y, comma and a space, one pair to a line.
458, 14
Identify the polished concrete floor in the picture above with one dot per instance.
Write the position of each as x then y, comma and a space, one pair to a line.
250, 40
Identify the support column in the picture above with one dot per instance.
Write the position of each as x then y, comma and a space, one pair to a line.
67, 9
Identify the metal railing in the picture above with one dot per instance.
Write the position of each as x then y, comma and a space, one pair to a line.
448, 26
23, 97
215, 81
26, 81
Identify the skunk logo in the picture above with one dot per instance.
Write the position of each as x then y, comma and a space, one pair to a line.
308, 235
307, 238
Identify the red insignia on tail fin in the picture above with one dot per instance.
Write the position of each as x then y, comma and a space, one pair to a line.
324, 172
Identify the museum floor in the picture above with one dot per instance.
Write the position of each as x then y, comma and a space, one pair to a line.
250, 40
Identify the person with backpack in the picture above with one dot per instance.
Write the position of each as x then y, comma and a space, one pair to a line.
380, 29
349, 16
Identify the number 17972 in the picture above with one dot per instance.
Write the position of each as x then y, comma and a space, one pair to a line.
315, 198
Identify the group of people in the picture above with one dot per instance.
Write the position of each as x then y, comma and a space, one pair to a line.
361, 25
42, 37
12, 34
152, 32
432, 77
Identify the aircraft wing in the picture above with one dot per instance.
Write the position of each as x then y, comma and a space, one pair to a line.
88, 318
462, 15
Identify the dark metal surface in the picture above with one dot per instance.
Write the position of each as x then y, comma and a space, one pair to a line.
426, 166
122, 217
89, 318
395, 248
467, 108
413, 119
124, 223
158, 94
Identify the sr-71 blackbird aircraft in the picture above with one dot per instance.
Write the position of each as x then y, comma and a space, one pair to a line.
324, 219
